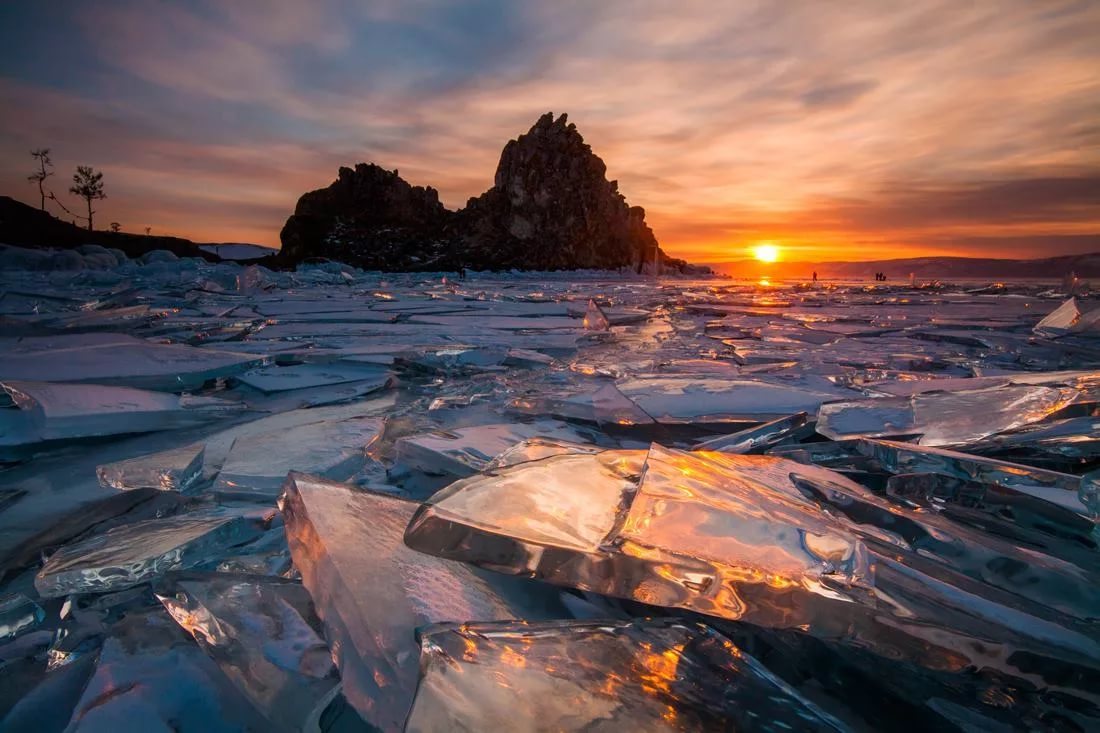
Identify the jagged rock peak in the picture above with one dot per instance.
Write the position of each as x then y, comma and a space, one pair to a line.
550, 207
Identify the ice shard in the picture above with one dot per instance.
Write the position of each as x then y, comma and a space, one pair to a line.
303, 376
18, 614
943, 418
65, 411
156, 679
654, 675
606, 405
1061, 321
258, 464
117, 359
466, 451
372, 592
262, 636
687, 399
663, 527
136, 553
171, 470
761, 437
1064, 489
594, 318
535, 449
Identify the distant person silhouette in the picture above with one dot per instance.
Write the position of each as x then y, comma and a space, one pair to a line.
815, 275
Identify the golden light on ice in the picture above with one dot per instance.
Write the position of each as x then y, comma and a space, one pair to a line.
766, 252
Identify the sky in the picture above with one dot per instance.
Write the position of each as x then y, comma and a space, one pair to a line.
839, 130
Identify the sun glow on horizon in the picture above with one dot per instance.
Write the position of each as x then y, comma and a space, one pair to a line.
766, 252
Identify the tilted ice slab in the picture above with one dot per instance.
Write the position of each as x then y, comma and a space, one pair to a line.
756, 440
260, 633
663, 527
652, 675
683, 399
136, 553
1064, 489
372, 592
117, 359
943, 418
65, 411
257, 465
156, 679
605, 405
468, 450
171, 470
302, 376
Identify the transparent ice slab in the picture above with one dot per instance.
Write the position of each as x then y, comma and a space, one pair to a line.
1060, 488
594, 318
1060, 321
683, 399
262, 635
136, 553
466, 451
116, 359
372, 592
943, 418
258, 464
661, 526
657, 675
18, 614
762, 437
302, 376
604, 405
160, 681
171, 470
65, 411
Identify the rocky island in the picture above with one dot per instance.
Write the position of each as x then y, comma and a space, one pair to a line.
551, 207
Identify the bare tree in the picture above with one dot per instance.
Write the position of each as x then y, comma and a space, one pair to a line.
88, 185
148, 231
42, 157
116, 227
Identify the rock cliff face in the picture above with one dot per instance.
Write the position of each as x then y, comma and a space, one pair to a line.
372, 218
551, 207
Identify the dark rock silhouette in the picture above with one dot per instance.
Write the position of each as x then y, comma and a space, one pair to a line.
27, 226
372, 218
551, 207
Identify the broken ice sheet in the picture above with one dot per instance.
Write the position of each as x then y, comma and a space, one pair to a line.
594, 318
943, 418
171, 470
1060, 321
761, 437
372, 592
261, 634
257, 464
152, 677
18, 614
1064, 489
684, 399
466, 451
651, 675
116, 359
302, 376
136, 553
606, 405
66, 411
663, 527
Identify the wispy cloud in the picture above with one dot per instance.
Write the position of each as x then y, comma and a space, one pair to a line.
823, 126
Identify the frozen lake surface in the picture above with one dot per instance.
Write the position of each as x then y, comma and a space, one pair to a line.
234, 499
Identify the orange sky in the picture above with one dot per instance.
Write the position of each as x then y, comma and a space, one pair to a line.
847, 130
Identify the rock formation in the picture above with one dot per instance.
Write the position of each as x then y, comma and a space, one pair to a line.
26, 226
372, 218
550, 207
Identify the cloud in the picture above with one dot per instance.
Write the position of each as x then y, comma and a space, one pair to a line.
817, 125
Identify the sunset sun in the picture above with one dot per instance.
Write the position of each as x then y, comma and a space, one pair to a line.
766, 252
